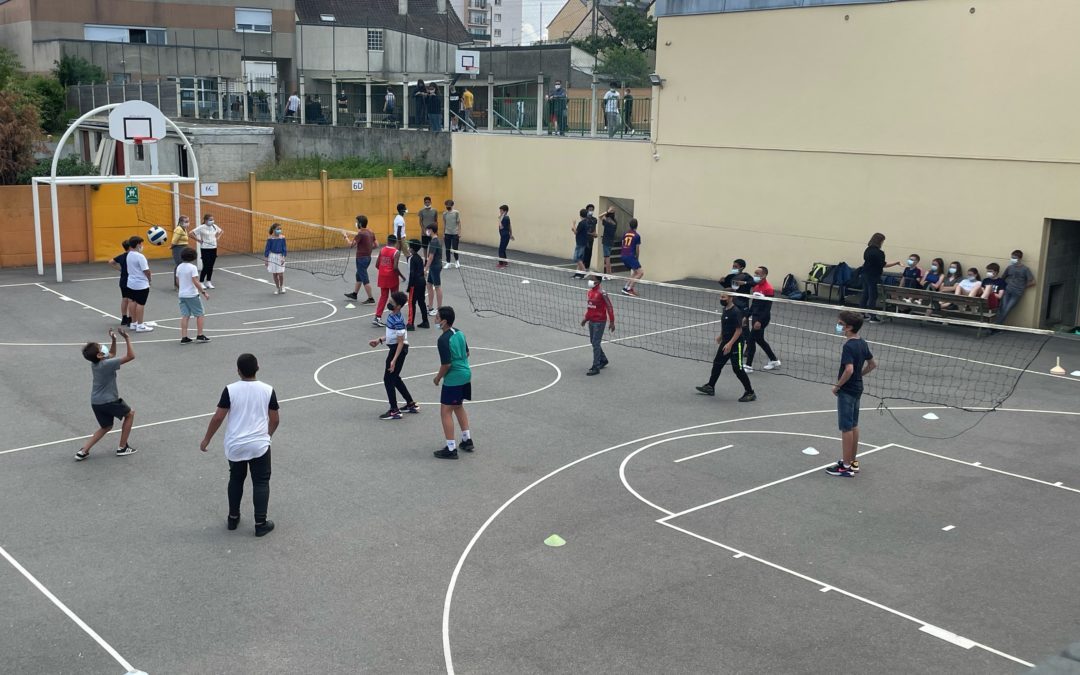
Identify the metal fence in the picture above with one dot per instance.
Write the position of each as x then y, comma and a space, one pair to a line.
571, 116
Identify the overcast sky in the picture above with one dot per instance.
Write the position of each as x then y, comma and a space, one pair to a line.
530, 17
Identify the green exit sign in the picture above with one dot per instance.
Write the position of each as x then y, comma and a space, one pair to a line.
131, 194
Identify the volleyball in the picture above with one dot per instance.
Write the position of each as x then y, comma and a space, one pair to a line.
156, 235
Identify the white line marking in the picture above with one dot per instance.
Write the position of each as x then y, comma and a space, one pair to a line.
737, 556
64, 608
280, 318
1058, 484
702, 454
948, 636
266, 281
948, 528
82, 304
978, 465
826, 589
849, 594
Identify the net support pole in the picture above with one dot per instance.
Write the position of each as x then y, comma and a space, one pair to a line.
539, 104
57, 254
37, 227
367, 108
333, 99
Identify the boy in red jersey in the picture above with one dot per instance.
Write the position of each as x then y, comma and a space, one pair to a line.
760, 315
598, 310
389, 276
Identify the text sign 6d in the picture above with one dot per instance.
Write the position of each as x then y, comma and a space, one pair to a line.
131, 194
357, 185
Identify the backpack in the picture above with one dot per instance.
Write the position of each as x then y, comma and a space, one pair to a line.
790, 288
817, 272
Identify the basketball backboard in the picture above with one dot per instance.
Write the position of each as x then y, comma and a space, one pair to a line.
136, 120
466, 62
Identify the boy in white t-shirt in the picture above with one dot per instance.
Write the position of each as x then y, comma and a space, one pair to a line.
138, 283
252, 409
399, 226
191, 293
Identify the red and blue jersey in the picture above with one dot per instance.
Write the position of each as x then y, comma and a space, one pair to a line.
630, 242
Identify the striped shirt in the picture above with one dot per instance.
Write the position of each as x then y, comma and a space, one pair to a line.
395, 329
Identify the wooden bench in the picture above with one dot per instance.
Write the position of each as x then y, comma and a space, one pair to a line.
813, 287
937, 304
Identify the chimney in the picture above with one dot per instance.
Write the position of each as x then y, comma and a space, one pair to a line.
440, 6
402, 7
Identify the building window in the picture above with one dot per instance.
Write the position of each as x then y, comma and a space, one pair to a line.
181, 161
375, 40
478, 18
479, 32
478, 4
142, 36
498, 18
498, 3
254, 20
498, 33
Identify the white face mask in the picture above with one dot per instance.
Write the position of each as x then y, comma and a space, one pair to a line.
735, 270
1014, 260
592, 284
104, 351
933, 268
971, 277
839, 328
952, 270
757, 280
209, 221
989, 274
910, 262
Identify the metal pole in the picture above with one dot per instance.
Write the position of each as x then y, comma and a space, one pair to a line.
37, 228
367, 108
220, 100
491, 103
446, 104
405, 101
539, 104
57, 253
333, 99
303, 101
592, 107
198, 95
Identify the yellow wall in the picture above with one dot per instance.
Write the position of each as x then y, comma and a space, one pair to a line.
789, 136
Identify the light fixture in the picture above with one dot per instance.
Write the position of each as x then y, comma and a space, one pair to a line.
329, 18
656, 80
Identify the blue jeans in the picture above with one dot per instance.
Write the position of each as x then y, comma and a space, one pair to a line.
435, 121
596, 337
1008, 301
504, 241
847, 410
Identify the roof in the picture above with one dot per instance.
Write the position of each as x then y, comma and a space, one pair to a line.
423, 18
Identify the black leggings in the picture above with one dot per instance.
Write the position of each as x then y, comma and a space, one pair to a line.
504, 240
392, 380
260, 485
209, 256
451, 241
870, 285
735, 357
757, 337
416, 299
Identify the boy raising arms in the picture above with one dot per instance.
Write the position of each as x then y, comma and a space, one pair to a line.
104, 398
856, 361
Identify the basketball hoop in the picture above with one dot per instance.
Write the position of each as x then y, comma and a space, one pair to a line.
144, 140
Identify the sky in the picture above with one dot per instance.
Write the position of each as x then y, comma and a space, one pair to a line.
530, 17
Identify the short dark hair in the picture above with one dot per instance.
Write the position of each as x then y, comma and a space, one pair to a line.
583, 213
427, 198
361, 221
400, 207
447, 314
504, 207
1018, 253
764, 269
740, 263
392, 239
126, 244
597, 277
135, 241
247, 364
994, 267
449, 202
590, 207
414, 245
852, 320
90, 351
632, 224
400, 299
188, 255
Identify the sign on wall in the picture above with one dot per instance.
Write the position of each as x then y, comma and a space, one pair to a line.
131, 194
357, 185
208, 189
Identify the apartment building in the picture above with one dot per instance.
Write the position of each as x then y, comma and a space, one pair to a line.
492, 22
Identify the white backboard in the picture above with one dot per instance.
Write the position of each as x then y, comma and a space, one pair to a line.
136, 119
466, 62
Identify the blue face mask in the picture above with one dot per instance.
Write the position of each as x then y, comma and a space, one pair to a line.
952, 270
104, 351
911, 262
735, 270
277, 231
933, 268
839, 329
757, 280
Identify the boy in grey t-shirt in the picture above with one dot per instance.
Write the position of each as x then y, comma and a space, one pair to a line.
1018, 277
451, 233
104, 398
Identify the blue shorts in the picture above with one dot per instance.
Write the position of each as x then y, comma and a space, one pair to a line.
579, 254
847, 410
191, 306
361, 270
607, 245
456, 394
631, 262
434, 275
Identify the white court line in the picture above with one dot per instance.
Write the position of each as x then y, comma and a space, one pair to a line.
257, 309
924, 626
66, 298
71, 615
980, 465
280, 318
702, 454
267, 281
672, 516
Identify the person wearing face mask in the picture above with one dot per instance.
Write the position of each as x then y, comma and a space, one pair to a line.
856, 362
397, 340
732, 348
758, 321
933, 277
993, 286
607, 241
970, 286
740, 283
557, 108
207, 236
611, 109
179, 243
386, 266
582, 236
506, 235
399, 226
1018, 277
138, 281
954, 274
456, 377
912, 275
598, 309
274, 256
105, 399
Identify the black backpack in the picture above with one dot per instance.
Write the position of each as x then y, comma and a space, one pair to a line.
790, 288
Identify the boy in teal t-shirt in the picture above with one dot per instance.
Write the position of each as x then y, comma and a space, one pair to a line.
456, 378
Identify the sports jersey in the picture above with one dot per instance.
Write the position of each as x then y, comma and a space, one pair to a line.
454, 351
599, 307
630, 242
730, 321
388, 274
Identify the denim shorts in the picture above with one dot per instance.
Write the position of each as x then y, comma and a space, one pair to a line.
607, 248
362, 264
434, 275
191, 306
579, 254
847, 410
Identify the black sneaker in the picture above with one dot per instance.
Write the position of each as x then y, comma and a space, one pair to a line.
126, 321
445, 453
603, 364
264, 528
747, 397
81, 454
231, 522
593, 371
186, 341
390, 415
426, 324
411, 408
351, 296
125, 451
706, 389
467, 445
840, 469
201, 338
410, 327
369, 301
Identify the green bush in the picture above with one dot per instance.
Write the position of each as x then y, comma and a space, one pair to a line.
67, 166
71, 70
349, 167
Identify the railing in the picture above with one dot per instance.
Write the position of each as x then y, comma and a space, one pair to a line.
572, 116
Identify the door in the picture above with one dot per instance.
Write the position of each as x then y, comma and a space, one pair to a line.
1060, 276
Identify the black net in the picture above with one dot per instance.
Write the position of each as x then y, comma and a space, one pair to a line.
315, 249
921, 358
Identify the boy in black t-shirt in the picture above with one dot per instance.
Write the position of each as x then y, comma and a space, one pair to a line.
417, 286
855, 362
732, 348
120, 263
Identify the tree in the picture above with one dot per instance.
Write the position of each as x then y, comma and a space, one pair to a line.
634, 28
67, 166
624, 64
19, 128
10, 68
51, 101
71, 70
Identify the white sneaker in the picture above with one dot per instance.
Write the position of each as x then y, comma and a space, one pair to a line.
143, 328
432, 311
209, 284
748, 369
446, 266
283, 290
277, 291
457, 264
772, 365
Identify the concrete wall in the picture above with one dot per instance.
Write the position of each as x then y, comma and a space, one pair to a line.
294, 140
322, 50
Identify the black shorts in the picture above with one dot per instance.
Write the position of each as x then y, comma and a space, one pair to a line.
107, 412
139, 297
125, 292
455, 395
